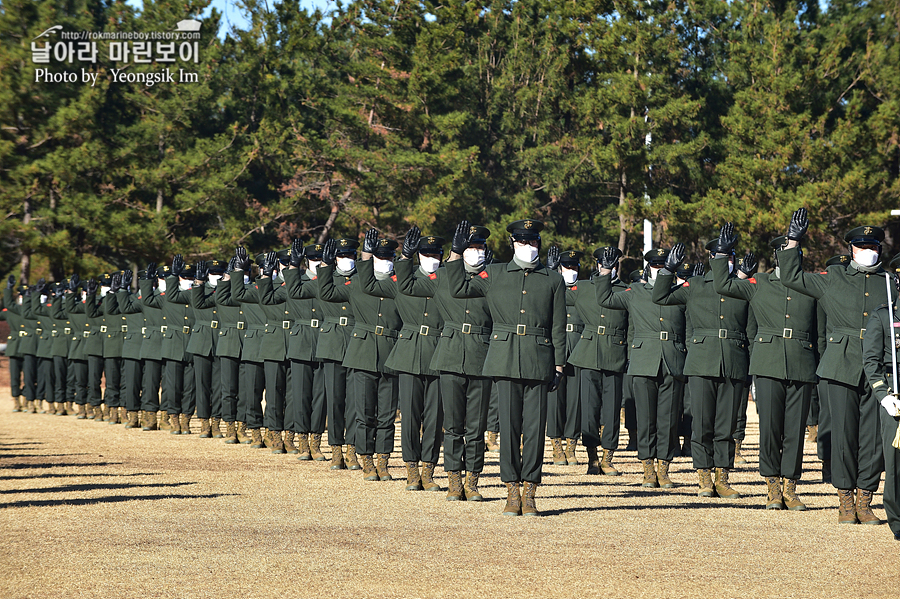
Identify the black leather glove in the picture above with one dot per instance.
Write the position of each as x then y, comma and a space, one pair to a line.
411, 242
10, 282
488, 257
297, 252
329, 252
201, 271
553, 257
749, 264
74, 280
91, 286
270, 262
242, 261
150, 272
177, 265
115, 282
799, 225
461, 239
370, 241
727, 240
127, 277
41, 287
699, 269
232, 266
609, 258
557, 378
675, 258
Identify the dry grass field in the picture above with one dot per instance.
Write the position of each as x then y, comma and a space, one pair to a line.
93, 510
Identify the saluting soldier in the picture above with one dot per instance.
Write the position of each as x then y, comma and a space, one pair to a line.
849, 297
178, 391
655, 362
11, 315
202, 346
61, 334
371, 385
686, 272
229, 343
132, 340
93, 309
880, 352
527, 353
78, 366
601, 356
44, 324
113, 338
150, 301
459, 357
783, 363
716, 365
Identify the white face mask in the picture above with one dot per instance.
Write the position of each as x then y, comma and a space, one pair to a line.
613, 273
428, 263
651, 276
162, 285
214, 279
43, 299
730, 266
19, 299
184, 285
865, 257
525, 253
569, 275
104, 290
473, 256
246, 279
346, 264
383, 266
312, 266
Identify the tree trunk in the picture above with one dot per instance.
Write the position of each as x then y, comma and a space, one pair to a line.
26, 254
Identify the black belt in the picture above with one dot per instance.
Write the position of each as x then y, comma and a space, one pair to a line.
786, 333
423, 330
661, 336
342, 321
467, 328
312, 323
849, 331
720, 333
574, 328
378, 330
521, 329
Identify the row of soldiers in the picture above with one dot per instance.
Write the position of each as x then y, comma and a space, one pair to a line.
334, 340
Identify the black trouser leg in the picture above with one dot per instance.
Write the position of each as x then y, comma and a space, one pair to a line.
250, 399
891, 496
189, 395
386, 413
230, 369
79, 370
823, 441
15, 376
298, 410
658, 403
812, 419
276, 387
572, 428
783, 409
319, 413
133, 378
364, 392
60, 378
556, 409
465, 401
46, 381
339, 419
857, 459
29, 376
151, 382
420, 399
493, 417
591, 382
215, 404
629, 407
71, 382
687, 420
113, 369
174, 387
740, 426
714, 403
203, 383
95, 379
523, 409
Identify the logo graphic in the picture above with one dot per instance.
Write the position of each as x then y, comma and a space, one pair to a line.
528, 224
188, 25
660, 252
473, 230
53, 29
343, 242
431, 240
867, 231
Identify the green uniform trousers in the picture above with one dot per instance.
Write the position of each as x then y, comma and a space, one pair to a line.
250, 393
178, 395
564, 406
29, 376
465, 400
150, 385
891, 470
601, 402
15, 376
375, 397
229, 372
95, 380
45, 382
420, 406
305, 410
740, 427
341, 418
132, 379
276, 390
783, 408
856, 459
523, 412
823, 439
714, 404
657, 401
493, 418
113, 397
60, 376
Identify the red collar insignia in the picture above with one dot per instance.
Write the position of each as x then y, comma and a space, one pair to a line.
483, 274
432, 276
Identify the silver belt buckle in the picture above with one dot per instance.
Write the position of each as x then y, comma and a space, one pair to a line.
285, 324
601, 330
23, 333
143, 330
163, 328
788, 333
570, 328
379, 330
664, 335
520, 329
214, 324
240, 325
103, 328
39, 331
467, 328
723, 333
54, 333
186, 330
861, 333
86, 334
67, 330
124, 328
423, 330
314, 323
342, 321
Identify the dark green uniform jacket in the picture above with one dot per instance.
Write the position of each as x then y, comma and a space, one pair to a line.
93, 309
849, 298
785, 344
130, 308
421, 318
62, 327
279, 319
377, 321
151, 301
112, 331
75, 310
719, 345
253, 325
12, 318
463, 344
602, 344
877, 359
44, 325
27, 326
206, 321
529, 312
335, 330
299, 295
178, 320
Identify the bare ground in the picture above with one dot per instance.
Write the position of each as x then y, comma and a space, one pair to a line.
93, 510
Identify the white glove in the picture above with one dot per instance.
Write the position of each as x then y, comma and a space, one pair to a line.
892, 404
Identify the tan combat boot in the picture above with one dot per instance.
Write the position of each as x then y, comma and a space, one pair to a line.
791, 500
243, 435
706, 484
175, 423
69, 408
413, 477
352, 462
559, 455
16, 407
289, 446
649, 481
606, 466
774, 498
455, 486
231, 437
277, 442
381, 466
864, 508
570, 452
205, 431
428, 477
184, 421
337, 458
98, 414
529, 507
593, 460
112, 415
123, 415
847, 506
305, 455
813, 433
214, 428
256, 439
267, 439
104, 410
471, 487
61, 409
149, 421
82, 414
131, 420
723, 489
315, 447
738, 458
513, 500
491, 442
29, 407
662, 474
164, 424
368, 468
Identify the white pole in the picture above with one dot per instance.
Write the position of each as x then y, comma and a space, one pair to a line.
887, 282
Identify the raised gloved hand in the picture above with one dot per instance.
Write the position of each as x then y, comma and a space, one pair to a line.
74, 280
150, 272
297, 252
329, 252
727, 240
461, 239
127, 277
553, 257
232, 266
201, 271
41, 287
10, 282
488, 256
554, 383
699, 269
270, 264
891, 403
242, 261
115, 282
177, 265
675, 258
411, 242
370, 241
609, 258
799, 225
91, 287
749, 264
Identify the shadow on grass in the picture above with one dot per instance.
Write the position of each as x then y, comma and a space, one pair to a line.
94, 475
39, 455
92, 487
37, 466
109, 499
